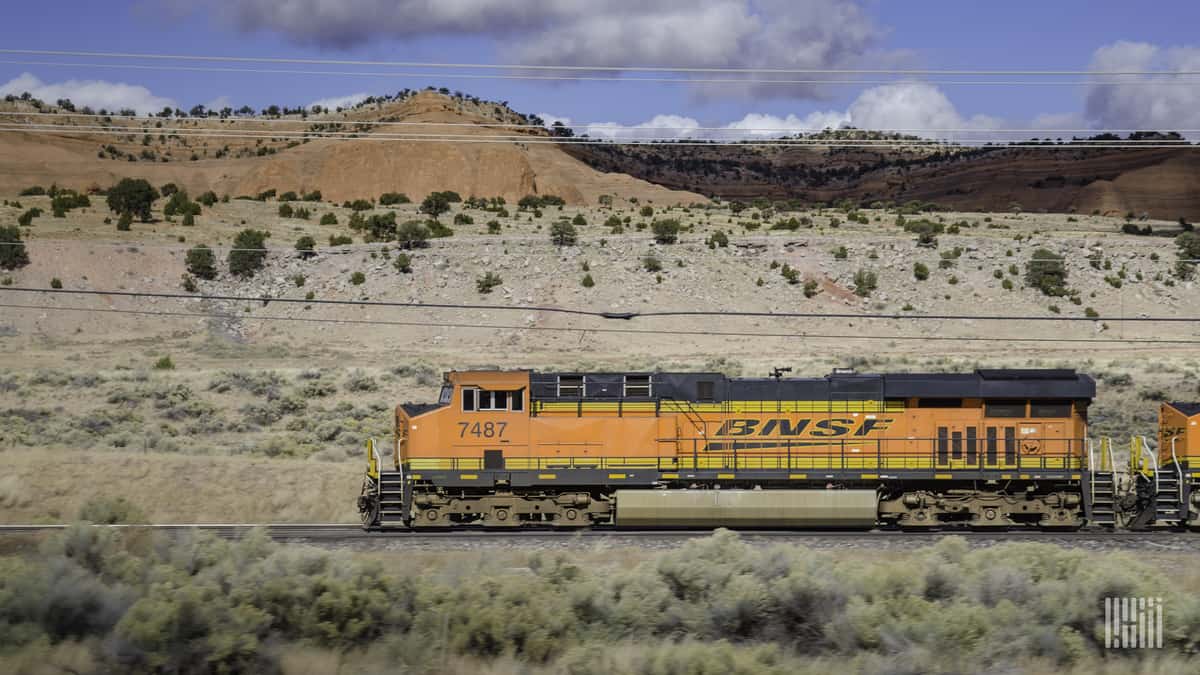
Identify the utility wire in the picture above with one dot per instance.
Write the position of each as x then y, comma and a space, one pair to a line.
181, 132
634, 331
599, 314
316, 119
619, 78
545, 140
496, 66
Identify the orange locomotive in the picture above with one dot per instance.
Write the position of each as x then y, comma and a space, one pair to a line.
523, 448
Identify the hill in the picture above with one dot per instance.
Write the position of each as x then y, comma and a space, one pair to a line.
274, 153
1160, 182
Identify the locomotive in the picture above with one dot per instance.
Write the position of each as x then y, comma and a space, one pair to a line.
988, 449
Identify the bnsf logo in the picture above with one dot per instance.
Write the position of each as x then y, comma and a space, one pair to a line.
822, 428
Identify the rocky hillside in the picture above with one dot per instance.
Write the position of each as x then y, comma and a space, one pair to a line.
1161, 182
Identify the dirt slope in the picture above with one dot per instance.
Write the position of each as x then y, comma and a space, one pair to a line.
340, 170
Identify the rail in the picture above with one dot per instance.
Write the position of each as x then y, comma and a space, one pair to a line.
941, 454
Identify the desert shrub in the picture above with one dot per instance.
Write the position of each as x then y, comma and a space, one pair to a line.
306, 246
56, 283
188, 283
493, 227
380, 226
665, 231
180, 205
588, 281
865, 281
133, 196
358, 278
285, 210
651, 263
718, 238
164, 363
263, 384
487, 282
412, 234
438, 230
328, 219
403, 263
26, 218
393, 198
12, 249
124, 222
579, 220
563, 233
920, 271
1188, 245
463, 219
249, 253
33, 191
435, 204
207, 198
104, 510
360, 381
340, 240
201, 262
1047, 272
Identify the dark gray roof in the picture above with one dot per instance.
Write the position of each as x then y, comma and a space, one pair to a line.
993, 384
1188, 409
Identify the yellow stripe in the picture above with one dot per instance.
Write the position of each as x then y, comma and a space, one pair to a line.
467, 476
740, 407
725, 475
1024, 476
616, 475
943, 476
870, 476
797, 476
1006, 476
547, 476
669, 475
415, 476
1074, 476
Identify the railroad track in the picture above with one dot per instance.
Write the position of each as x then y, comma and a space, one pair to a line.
339, 531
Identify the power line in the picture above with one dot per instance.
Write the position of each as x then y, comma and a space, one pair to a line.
539, 67
541, 140
617, 78
634, 331
600, 314
182, 132
601, 125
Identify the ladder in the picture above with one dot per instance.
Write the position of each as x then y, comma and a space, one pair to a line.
393, 511
1101, 491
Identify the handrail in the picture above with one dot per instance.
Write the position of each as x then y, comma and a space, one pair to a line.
1145, 445
1091, 452
1106, 443
1178, 470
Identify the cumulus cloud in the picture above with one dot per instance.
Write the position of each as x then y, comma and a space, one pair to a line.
335, 102
921, 109
1161, 105
95, 93
787, 34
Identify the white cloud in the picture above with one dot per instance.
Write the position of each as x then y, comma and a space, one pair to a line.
790, 34
1162, 105
919, 107
335, 102
913, 107
95, 93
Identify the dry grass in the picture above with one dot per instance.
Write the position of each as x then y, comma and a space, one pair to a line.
171, 488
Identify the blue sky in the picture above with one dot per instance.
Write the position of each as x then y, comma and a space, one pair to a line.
1016, 34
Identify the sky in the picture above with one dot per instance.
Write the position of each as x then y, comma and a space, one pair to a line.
795, 34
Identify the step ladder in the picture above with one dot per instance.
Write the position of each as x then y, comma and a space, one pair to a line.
393, 512
1100, 494
1103, 499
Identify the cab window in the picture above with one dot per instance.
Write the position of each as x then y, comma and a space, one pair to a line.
485, 400
1049, 408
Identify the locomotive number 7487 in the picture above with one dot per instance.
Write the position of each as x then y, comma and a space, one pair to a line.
481, 429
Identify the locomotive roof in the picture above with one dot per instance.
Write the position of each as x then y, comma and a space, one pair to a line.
1188, 409
983, 383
